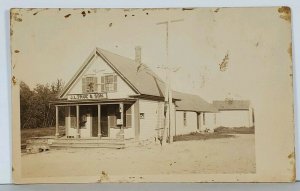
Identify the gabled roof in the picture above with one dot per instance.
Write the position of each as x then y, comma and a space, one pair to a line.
142, 80
232, 104
141, 77
77, 74
189, 102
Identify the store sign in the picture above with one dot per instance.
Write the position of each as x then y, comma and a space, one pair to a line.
88, 96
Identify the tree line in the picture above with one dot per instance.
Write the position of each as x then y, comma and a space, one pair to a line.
35, 108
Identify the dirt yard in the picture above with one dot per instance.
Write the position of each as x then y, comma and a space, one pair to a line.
226, 155
39, 132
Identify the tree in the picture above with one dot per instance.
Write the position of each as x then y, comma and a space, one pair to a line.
26, 100
35, 108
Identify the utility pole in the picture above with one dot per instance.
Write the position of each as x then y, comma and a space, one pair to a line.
168, 117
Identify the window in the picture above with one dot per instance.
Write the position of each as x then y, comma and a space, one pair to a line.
109, 83
82, 121
89, 84
184, 119
142, 115
114, 114
127, 116
85, 111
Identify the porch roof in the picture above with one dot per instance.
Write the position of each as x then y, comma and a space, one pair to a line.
92, 102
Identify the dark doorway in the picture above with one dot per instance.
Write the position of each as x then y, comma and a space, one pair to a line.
104, 121
94, 121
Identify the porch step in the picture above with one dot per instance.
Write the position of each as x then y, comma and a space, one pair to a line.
70, 141
87, 144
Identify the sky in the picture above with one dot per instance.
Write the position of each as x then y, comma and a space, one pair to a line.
51, 46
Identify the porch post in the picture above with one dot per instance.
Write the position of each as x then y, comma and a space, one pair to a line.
77, 122
99, 121
121, 105
68, 120
56, 122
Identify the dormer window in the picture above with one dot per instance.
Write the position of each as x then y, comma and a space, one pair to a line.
109, 83
89, 84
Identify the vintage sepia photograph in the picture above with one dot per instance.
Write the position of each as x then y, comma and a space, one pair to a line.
152, 95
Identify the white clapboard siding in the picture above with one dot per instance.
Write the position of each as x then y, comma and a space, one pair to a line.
208, 121
98, 68
234, 118
148, 124
191, 122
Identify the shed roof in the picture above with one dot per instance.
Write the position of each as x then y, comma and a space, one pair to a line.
143, 80
232, 104
189, 102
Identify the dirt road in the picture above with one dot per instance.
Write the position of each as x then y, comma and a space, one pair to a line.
228, 155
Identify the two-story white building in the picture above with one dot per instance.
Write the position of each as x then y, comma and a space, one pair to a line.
115, 97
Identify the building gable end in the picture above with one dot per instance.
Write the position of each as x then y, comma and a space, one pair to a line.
94, 55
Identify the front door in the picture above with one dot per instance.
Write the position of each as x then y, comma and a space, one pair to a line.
104, 121
94, 121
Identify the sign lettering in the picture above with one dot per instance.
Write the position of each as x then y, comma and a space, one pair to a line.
87, 96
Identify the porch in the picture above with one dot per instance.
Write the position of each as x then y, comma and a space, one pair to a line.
97, 119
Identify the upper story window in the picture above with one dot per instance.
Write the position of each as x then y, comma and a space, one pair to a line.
109, 83
89, 84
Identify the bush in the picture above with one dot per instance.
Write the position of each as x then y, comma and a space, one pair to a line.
235, 130
201, 136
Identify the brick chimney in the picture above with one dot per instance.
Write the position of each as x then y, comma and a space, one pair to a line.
138, 55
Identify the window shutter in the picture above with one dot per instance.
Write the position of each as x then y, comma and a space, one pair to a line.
112, 118
112, 121
95, 84
115, 82
83, 85
102, 84
128, 113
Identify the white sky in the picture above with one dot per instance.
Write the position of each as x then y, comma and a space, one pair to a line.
256, 39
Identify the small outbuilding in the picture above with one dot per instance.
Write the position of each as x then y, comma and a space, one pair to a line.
234, 113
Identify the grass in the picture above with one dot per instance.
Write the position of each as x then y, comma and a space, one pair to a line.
220, 132
201, 136
235, 130
39, 132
